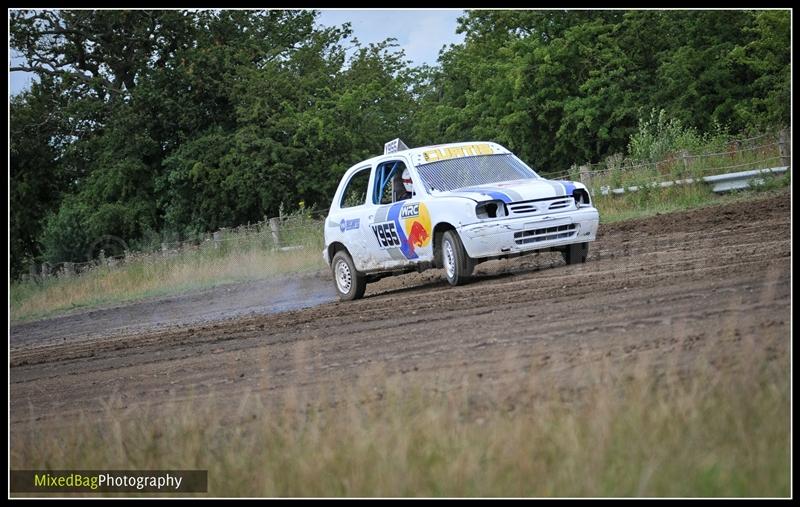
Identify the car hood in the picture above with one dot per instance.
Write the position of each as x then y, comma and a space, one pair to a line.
514, 191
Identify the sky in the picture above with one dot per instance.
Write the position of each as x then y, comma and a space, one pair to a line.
421, 33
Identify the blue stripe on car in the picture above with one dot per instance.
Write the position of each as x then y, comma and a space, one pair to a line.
569, 187
494, 194
499, 195
557, 187
394, 215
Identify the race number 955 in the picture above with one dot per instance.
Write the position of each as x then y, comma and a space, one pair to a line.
386, 234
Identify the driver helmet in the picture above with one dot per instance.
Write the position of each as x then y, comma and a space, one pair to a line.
407, 183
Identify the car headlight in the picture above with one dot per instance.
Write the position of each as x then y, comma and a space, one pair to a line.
491, 209
581, 197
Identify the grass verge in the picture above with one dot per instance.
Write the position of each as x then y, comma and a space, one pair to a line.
652, 201
240, 259
687, 429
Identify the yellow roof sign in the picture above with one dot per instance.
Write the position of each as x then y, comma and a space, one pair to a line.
469, 150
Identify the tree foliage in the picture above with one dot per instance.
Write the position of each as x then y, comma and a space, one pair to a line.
564, 87
170, 122
37, 174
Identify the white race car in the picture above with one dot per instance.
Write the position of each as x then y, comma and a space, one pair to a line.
449, 206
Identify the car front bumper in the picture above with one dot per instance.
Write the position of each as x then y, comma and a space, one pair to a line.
516, 235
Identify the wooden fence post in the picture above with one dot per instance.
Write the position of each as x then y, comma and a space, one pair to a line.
217, 239
586, 177
685, 159
274, 225
783, 146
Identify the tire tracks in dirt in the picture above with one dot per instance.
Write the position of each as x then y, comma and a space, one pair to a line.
661, 287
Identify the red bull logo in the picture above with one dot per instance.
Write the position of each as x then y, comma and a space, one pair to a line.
417, 237
408, 227
417, 228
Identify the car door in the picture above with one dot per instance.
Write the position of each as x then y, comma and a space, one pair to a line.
398, 226
347, 222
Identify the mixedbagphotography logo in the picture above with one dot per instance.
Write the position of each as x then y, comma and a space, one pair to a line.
110, 246
109, 481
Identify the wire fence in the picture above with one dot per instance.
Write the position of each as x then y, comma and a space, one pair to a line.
734, 146
660, 165
616, 171
284, 233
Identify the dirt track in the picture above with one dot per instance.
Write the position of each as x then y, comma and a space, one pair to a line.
660, 287
219, 303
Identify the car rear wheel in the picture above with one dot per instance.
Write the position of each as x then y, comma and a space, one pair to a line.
350, 283
457, 264
576, 253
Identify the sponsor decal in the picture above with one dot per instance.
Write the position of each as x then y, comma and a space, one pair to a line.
407, 228
410, 210
417, 237
417, 225
349, 225
469, 150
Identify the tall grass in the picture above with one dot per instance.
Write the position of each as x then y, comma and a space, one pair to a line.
237, 257
617, 172
687, 429
663, 150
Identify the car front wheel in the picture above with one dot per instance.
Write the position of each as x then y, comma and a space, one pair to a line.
350, 283
457, 264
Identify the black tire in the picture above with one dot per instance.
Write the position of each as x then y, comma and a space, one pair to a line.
457, 264
350, 284
576, 253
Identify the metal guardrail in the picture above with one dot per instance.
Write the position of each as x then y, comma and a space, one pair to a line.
721, 183
737, 181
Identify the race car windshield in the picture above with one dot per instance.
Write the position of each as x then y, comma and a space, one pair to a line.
455, 173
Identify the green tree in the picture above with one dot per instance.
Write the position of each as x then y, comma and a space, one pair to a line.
36, 170
101, 53
697, 82
562, 87
170, 122
768, 60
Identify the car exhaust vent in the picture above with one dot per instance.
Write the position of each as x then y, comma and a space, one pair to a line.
545, 234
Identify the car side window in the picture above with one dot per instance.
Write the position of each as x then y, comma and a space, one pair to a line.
355, 193
388, 182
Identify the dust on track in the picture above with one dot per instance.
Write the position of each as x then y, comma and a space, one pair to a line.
716, 278
223, 302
